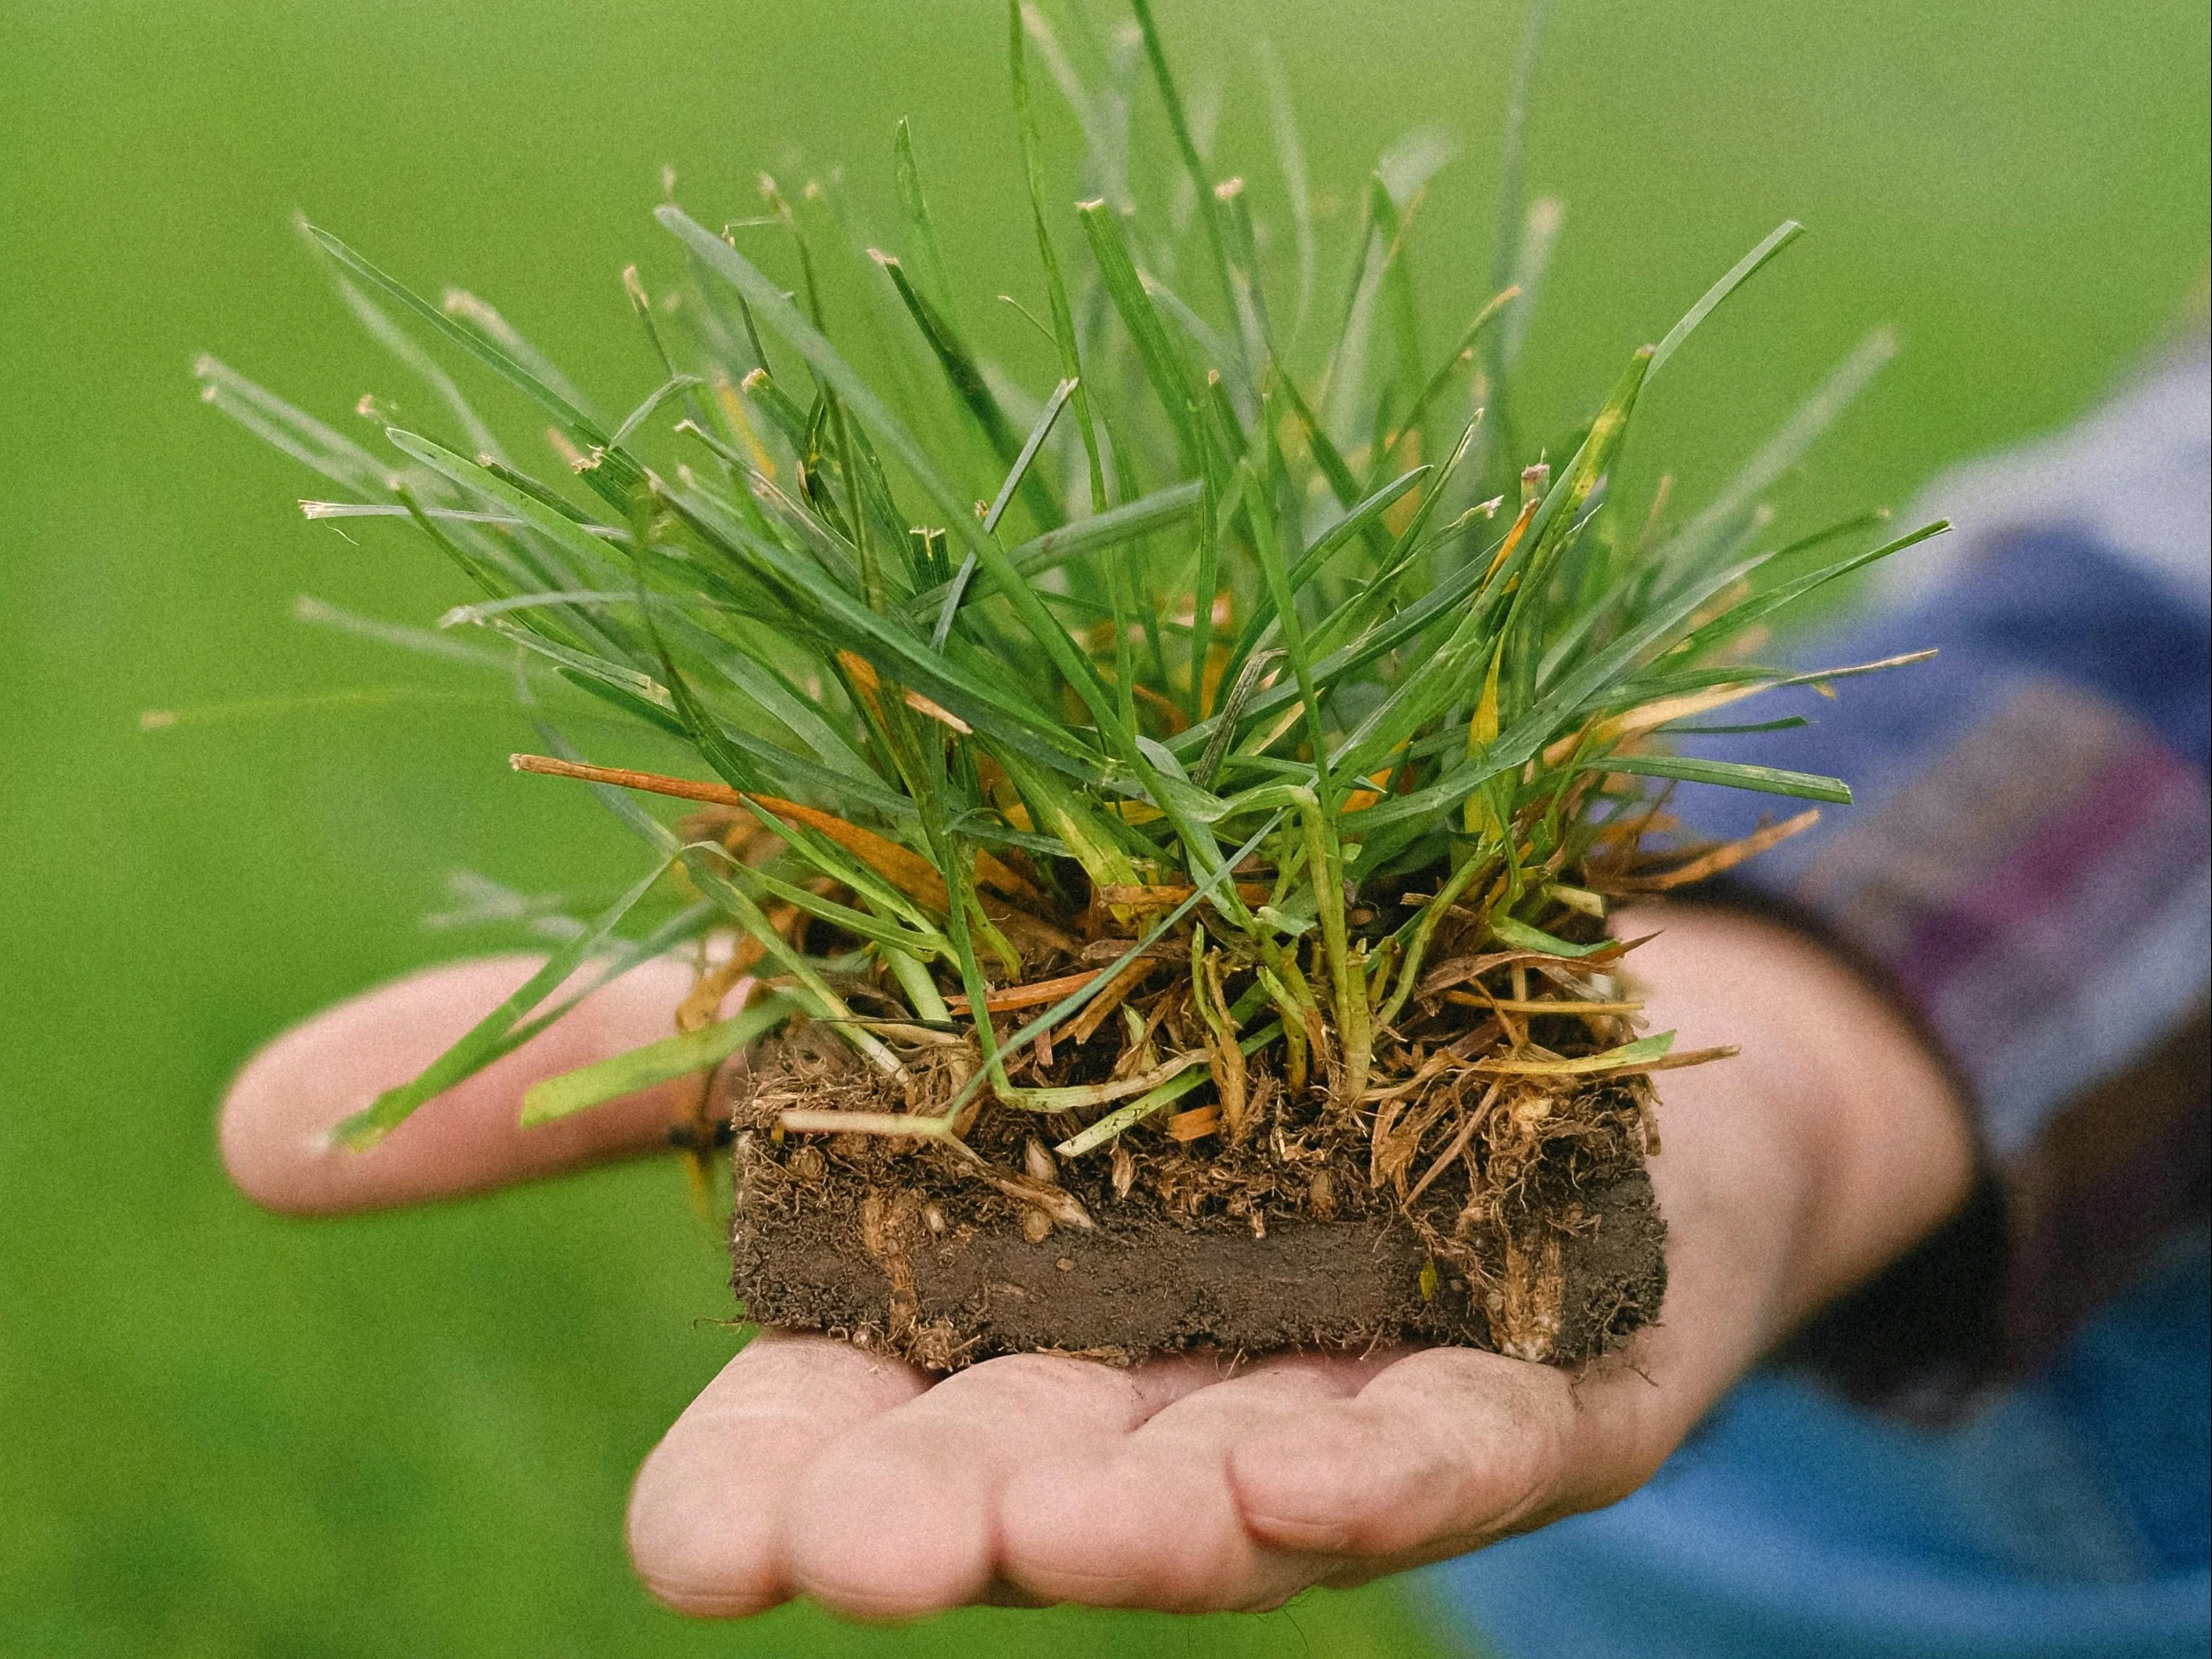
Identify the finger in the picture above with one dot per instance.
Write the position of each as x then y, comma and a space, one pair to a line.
1448, 1447
1150, 1519
900, 1518
276, 1121
709, 1513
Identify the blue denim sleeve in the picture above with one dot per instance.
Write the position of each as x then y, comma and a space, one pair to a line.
2026, 860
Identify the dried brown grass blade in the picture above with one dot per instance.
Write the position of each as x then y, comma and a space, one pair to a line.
652, 783
1460, 970
1718, 859
905, 869
808, 1121
697, 1010
1035, 994
1466, 1128
1161, 898
1102, 1006
1538, 1005
1193, 1125
1518, 1068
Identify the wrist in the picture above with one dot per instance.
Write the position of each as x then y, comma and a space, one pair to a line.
1828, 1147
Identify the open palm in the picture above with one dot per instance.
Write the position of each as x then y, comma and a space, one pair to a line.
811, 1467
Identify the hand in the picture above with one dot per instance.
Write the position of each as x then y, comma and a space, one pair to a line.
811, 1467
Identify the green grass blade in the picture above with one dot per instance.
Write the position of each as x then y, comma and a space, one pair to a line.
1375, 642
758, 678
1461, 354
1105, 146
1163, 368
564, 531
1343, 483
1519, 936
1548, 530
1186, 148
395, 340
1405, 815
359, 698
705, 864
427, 642
1093, 837
1786, 723
1730, 774
708, 867
502, 1030
1116, 526
1739, 617
1641, 1052
1398, 290
1207, 886
1232, 711
1260, 514
770, 305
582, 429
921, 940
906, 175
552, 1098
1540, 233
1499, 379
970, 387
1290, 157
1365, 513
675, 386
290, 430
1513, 144
1035, 441
1778, 453
1124, 1118
1742, 272
1244, 272
885, 641
633, 682
1063, 317
1228, 398
481, 315
958, 585
955, 591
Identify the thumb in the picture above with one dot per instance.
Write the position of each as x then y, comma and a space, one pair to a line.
276, 1120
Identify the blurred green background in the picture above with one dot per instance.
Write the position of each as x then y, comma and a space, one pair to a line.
223, 1433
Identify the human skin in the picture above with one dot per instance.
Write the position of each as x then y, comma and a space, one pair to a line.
811, 1467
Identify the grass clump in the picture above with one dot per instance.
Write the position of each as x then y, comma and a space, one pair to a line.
1203, 779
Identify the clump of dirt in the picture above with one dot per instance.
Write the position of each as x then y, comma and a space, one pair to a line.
1164, 1167
1531, 1230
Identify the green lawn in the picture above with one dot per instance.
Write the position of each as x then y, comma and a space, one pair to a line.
229, 1435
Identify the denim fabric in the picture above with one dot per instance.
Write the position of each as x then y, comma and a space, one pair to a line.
2065, 1520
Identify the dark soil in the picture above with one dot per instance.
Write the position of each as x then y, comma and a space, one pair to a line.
1149, 1286
1543, 1241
